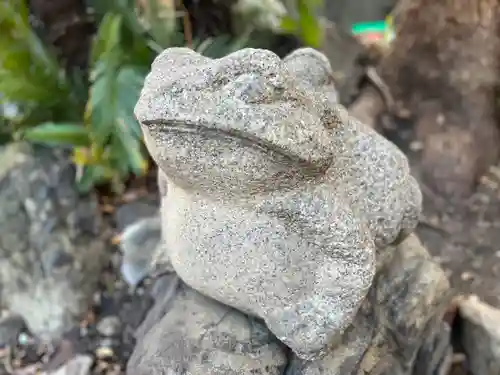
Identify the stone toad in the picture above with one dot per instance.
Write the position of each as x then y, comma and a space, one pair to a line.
278, 202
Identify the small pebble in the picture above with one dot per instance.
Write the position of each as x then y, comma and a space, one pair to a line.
79, 365
109, 326
24, 339
104, 352
10, 329
467, 276
416, 146
84, 331
97, 298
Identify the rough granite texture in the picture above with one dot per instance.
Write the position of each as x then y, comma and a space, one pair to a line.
195, 335
51, 253
277, 201
397, 331
398, 323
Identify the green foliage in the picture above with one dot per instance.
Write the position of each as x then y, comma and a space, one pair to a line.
30, 76
98, 121
307, 27
58, 134
115, 82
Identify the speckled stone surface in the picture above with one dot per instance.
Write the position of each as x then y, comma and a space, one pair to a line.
398, 329
278, 202
192, 334
51, 246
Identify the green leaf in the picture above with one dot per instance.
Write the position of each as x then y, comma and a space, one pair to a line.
289, 25
160, 20
310, 29
58, 134
92, 175
113, 96
5, 138
108, 37
30, 75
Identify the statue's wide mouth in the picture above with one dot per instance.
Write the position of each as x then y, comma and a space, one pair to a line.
246, 139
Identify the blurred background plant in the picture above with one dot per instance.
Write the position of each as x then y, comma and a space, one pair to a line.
89, 110
304, 21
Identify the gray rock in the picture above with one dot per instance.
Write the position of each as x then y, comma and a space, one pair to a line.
128, 213
398, 327
397, 331
50, 250
109, 326
10, 328
79, 365
163, 291
481, 336
435, 356
199, 336
139, 244
271, 185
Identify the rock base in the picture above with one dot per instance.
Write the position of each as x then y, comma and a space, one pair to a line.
397, 331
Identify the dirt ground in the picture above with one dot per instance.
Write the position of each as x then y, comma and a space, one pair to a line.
463, 236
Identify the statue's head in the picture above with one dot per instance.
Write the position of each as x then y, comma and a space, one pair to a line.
245, 122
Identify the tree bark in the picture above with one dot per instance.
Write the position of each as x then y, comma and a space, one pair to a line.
67, 27
443, 69
443, 74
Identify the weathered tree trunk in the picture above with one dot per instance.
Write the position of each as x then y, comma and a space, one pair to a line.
443, 68
443, 73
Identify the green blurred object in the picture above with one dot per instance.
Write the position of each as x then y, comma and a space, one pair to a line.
307, 27
94, 112
30, 75
58, 134
383, 28
369, 27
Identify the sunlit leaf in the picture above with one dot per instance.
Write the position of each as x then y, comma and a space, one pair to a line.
160, 21
289, 25
311, 31
80, 156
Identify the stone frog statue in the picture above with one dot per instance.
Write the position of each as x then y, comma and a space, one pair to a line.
278, 202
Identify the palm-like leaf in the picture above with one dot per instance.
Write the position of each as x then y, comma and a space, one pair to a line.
30, 76
114, 89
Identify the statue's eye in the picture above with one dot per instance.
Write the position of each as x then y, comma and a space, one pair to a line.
252, 88
247, 88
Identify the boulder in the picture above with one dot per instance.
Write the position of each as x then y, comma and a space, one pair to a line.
51, 251
198, 336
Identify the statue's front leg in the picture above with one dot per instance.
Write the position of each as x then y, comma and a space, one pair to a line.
333, 277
